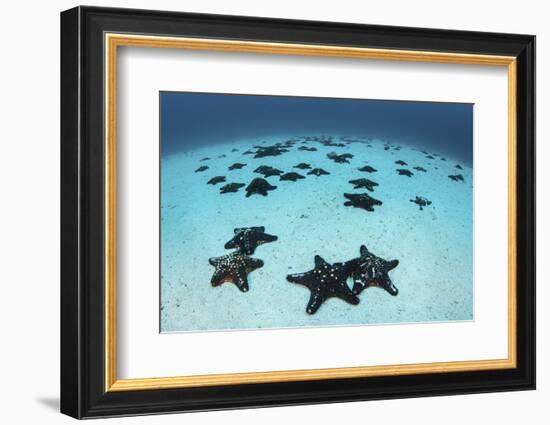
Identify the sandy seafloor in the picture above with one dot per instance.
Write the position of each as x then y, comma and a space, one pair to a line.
434, 246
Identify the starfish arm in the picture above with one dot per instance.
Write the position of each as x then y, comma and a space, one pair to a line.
296, 277
218, 278
348, 296
390, 265
390, 287
214, 261
241, 280
315, 300
320, 262
254, 263
265, 238
230, 244
301, 278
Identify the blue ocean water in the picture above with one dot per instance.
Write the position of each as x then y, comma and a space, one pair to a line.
433, 242
189, 120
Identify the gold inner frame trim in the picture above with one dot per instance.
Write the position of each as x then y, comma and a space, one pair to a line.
113, 41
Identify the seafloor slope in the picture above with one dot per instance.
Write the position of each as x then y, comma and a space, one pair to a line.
433, 242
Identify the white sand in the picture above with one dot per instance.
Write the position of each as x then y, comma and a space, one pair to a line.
433, 246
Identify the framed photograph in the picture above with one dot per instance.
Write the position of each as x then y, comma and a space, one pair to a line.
261, 212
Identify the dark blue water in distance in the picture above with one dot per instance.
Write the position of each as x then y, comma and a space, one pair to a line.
189, 120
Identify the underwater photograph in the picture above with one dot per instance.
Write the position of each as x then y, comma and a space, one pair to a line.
289, 211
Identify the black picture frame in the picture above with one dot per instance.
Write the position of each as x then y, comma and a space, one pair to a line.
83, 392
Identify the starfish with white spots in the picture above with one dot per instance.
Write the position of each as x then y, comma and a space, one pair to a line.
234, 268
369, 270
247, 239
325, 281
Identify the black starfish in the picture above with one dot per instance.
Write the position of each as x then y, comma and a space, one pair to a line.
361, 200
458, 166
234, 268
366, 183
247, 239
231, 187
303, 166
368, 169
400, 162
236, 166
457, 177
305, 148
205, 159
325, 281
259, 186
370, 270
318, 172
330, 143
216, 180
262, 169
234, 150
263, 151
429, 157
420, 169
341, 159
291, 176
404, 172
421, 201
272, 172
222, 155
201, 168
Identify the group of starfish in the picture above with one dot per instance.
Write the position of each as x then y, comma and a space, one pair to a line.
327, 280
324, 281
234, 267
